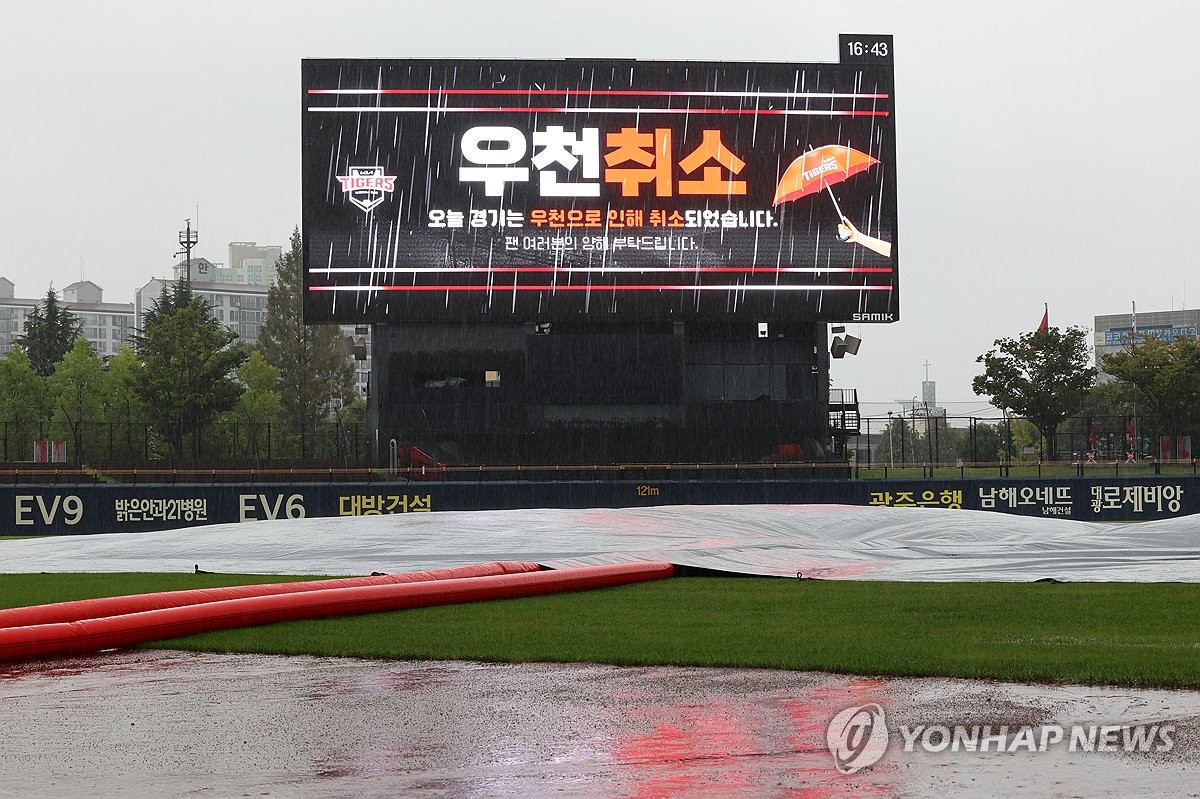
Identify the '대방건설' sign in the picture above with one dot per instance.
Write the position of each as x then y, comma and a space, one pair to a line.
460, 191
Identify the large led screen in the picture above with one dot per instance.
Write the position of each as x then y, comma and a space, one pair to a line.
481, 191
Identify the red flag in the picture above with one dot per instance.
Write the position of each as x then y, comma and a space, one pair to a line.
1043, 328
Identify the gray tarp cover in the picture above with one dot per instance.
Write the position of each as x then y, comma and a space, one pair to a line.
822, 541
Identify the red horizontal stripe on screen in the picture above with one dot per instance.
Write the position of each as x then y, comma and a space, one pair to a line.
573, 287
604, 93
602, 270
348, 109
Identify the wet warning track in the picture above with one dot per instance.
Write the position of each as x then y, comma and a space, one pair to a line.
153, 724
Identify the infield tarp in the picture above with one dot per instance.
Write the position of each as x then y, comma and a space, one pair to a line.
821, 541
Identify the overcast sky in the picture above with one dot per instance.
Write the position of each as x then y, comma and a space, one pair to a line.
1046, 150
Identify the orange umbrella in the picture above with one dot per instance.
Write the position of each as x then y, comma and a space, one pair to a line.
820, 168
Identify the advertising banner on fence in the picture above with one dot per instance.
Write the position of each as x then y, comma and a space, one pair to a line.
47, 510
506, 190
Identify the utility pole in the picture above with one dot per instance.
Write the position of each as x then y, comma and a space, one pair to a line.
187, 240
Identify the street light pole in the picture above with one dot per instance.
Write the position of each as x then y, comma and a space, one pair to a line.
928, 437
914, 418
891, 446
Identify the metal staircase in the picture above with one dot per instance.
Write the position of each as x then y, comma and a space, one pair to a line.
844, 418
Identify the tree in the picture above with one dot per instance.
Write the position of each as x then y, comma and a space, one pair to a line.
919, 439
76, 390
350, 421
1105, 414
985, 443
258, 407
1165, 378
123, 408
315, 376
1024, 437
939, 441
23, 408
895, 442
188, 369
1042, 376
50, 330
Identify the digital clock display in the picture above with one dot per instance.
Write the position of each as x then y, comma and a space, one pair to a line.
864, 48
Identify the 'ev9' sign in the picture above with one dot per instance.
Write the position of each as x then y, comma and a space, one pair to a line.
36, 509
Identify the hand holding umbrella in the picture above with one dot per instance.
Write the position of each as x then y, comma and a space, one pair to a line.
848, 232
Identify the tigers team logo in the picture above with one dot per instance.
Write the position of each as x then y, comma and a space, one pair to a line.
367, 186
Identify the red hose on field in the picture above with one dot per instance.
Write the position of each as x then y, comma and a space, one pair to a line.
136, 603
92, 635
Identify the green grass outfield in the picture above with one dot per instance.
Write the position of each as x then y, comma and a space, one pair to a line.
1142, 634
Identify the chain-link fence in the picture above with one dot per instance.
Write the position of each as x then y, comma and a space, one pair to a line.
894, 441
226, 442
935, 441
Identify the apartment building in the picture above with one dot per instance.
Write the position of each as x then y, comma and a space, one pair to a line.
107, 325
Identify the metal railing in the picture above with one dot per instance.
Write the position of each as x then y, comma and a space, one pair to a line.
638, 473
885, 447
225, 441
647, 472
1037, 468
921, 439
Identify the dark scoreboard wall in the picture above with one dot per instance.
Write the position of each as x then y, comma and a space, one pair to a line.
598, 190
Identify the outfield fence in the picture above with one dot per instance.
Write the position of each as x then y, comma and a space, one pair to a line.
905, 445
48, 509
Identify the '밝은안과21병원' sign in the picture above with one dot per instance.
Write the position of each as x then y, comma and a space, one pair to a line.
463, 190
